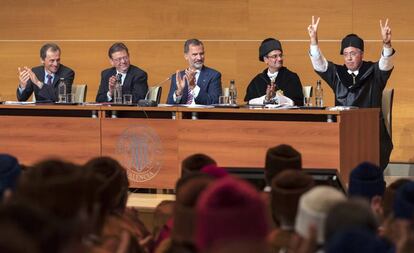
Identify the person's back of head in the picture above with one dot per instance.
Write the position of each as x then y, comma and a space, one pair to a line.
314, 206
355, 241
230, 210
280, 158
187, 195
113, 192
35, 226
404, 202
287, 187
353, 213
389, 195
9, 173
64, 191
195, 162
367, 181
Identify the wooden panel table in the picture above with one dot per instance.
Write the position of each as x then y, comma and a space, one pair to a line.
145, 141
151, 142
35, 132
240, 138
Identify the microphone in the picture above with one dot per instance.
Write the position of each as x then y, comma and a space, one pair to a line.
148, 102
119, 78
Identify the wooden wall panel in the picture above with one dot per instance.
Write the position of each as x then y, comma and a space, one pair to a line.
231, 29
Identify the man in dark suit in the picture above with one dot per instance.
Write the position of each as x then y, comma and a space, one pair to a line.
133, 79
197, 84
43, 80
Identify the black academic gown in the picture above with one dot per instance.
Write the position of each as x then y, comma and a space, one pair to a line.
366, 92
286, 80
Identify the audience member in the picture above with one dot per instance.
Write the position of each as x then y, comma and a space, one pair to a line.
287, 187
225, 212
9, 173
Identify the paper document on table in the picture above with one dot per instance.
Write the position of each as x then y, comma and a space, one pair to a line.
342, 108
19, 102
196, 106
280, 106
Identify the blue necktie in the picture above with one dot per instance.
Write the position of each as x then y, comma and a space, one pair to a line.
49, 79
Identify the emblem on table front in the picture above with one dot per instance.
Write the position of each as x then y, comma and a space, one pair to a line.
140, 150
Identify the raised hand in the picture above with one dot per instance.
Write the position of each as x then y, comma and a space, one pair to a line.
24, 76
270, 91
386, 33
190, 75
112, 84
313, 31
180, 82
34, 78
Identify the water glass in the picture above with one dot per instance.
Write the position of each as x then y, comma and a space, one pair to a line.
128, 99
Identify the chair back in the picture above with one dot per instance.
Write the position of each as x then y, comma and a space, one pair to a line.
79, 92
386, 107
154, 94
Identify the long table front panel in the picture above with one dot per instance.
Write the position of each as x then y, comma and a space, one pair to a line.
151, 142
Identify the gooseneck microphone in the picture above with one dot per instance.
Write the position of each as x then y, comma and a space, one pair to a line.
149, 102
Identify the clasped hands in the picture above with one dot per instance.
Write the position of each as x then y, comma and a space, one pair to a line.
188, 77
26, 74
270, 92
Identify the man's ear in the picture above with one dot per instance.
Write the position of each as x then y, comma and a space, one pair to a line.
7, 194
376, 205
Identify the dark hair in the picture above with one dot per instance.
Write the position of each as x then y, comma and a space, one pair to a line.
353, 213
195, 163
117, 47
52, 46
189, 42
113, 192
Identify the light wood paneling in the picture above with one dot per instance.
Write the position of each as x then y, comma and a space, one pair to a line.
147, 148
32, 139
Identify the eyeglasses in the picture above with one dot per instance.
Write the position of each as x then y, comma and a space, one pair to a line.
274, 56
352, 53
123, 58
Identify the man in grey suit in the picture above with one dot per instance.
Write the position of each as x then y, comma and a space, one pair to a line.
197, 84
43, 80
133, 79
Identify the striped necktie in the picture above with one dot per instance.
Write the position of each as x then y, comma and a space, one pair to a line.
49, 79
190, 97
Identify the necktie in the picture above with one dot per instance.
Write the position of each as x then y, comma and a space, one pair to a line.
189, 97
49, 79
353, 78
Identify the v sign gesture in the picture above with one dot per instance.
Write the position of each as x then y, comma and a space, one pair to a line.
386, 33
313, 31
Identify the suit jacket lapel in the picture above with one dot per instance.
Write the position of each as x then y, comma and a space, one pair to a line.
127, 82
202, 78
57, 77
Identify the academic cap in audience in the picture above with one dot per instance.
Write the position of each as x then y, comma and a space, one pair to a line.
287, 187
314, 206
366, 180
280, 158
9, 172
229, 210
